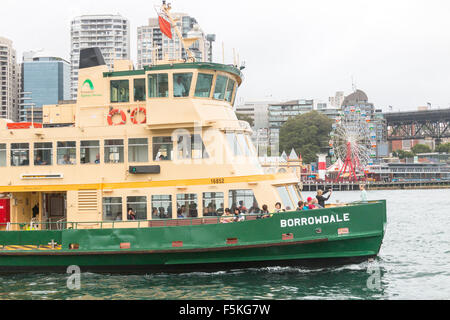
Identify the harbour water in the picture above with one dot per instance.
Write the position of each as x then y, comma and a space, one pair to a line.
414, 263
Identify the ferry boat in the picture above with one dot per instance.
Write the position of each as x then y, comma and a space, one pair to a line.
136, 176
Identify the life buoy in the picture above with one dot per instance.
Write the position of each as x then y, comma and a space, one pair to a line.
136, 112
113, 113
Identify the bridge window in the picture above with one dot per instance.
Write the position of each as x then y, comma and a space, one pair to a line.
243, 144
191, 147
233, 144
204, 84
187, 206
285, 199
162, 207
90, 152
20, 154
162, 149
230, 89
221, 85
158, 85
66, 153
294, 195
244, 200
213, 204
112, 209
139, 90
43, 153
138, 150
139, 206
120, 91
2, 155
114, 151
182, 84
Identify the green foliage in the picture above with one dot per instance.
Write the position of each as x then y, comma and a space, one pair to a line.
308, 134
443, 148
247, 118
401, 154
421, 148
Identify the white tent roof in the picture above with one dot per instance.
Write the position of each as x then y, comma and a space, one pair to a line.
336, 166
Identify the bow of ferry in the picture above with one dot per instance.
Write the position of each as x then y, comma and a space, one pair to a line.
164, 142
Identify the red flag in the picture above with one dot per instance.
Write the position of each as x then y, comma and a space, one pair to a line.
165, 27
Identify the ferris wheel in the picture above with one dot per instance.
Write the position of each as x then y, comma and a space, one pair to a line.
354, 142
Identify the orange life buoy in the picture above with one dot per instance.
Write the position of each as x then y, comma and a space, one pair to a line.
113, 113
135, 113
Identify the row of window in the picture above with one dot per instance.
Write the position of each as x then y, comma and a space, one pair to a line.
158, 87
186, 206
188, 147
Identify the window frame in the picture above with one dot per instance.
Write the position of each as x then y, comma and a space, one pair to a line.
120, 81
37, 149
155, 150
149, 89
134, 89
3, 150
162, 200
188, 90
130, 145
91, 147
58, 149
213, 76
130, 204
20, 149
119, 205
119, 146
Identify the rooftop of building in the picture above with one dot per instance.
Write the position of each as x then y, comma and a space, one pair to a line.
356, 97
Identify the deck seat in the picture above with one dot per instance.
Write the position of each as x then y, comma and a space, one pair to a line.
172, 223
210, 220
197, 222
183, 223
251, 218
156, 224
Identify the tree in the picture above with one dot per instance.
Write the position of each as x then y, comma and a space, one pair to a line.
245, 117
401, 154
421, 148
308, 134
443, 148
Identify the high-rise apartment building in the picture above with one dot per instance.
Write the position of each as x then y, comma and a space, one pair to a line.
9, 81
152, 44
110, 33
45, 81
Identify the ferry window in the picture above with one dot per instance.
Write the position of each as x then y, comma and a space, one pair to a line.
243, 144
162, 207
233, 143
138, 150
182, 84
114, 151
191, 147
43, 154
139, 90
2, 155
213, 204
204, 84
66, 153
187, 206
90, 152
294, 195
112, 209
20, 154
284, 195
230, 88
120, 91
244, 200
158, 85
162, 149
221, 85
139, 206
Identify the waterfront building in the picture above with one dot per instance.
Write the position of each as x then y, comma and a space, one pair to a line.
9, 84
45, 81
110, 33
337, 100
152, 45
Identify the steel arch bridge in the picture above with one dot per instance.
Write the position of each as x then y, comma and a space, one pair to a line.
433, 124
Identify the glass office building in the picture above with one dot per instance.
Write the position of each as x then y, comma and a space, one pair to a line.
45, 81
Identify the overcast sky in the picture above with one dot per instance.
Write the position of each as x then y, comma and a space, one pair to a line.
397, 51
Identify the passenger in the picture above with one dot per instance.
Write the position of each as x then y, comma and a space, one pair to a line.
300, 206
278, 207
320, 197
265, 209
237, 215
221, 210
363, 193
255, 208
227, 217
66, 159
311, 205
131, 215
180, 214
97, 159
155, 213
315, 202
242, 208
38, 161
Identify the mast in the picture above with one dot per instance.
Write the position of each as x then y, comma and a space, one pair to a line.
186, 42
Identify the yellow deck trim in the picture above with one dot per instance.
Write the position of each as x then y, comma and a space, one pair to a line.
131, 185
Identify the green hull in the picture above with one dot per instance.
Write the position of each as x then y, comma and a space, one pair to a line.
318, 237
